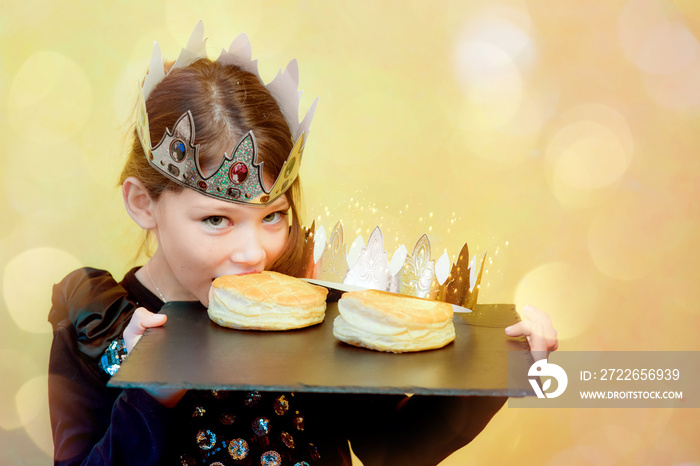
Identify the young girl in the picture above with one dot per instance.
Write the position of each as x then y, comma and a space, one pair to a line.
208, 227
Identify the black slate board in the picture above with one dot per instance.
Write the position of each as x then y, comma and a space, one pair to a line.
192, 352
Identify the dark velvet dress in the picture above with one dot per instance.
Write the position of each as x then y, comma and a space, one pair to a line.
96, 424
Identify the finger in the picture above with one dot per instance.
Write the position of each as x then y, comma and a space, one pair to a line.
144, 319
533, 313
550, 336
522, 328
530, 314
140, 321
538, 342
151, 320
549, 333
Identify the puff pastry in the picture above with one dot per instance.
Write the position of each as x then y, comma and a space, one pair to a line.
266, 301
385, 321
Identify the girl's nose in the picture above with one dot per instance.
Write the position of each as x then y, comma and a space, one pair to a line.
248, 249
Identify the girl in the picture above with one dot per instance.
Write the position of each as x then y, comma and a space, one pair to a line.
206, 227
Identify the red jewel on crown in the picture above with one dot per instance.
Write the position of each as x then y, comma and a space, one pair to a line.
238, 173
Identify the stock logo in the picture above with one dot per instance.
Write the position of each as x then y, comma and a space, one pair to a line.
542, 368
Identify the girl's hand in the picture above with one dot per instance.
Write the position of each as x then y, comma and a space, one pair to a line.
140, 321
537, 327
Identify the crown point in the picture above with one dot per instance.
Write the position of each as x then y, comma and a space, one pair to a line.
290, 166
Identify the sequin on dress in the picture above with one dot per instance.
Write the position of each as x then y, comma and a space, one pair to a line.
246, 428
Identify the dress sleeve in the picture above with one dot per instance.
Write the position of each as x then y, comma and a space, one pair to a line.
420, 430
93, 423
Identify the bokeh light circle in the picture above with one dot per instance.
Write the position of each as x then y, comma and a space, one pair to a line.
182, 17
490, 54
630, 236
34, 177
654, 42
621, 432
679, 276
16, 367
567, 293
657, 42
590, 147
504, 147
28, 280
33, 408
676, 90
587, 155
50, 98
491, 83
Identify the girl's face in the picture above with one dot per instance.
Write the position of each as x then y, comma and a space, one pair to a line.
201, 238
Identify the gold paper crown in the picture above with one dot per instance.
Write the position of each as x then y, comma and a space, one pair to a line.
239, 177
368, 266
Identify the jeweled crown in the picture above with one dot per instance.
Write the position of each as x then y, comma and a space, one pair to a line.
239, 177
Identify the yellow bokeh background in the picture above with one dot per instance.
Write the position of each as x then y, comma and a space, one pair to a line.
560, 137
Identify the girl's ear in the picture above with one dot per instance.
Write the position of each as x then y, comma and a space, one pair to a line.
139, 203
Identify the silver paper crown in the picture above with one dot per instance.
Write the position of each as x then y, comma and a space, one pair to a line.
368, 266
239, 176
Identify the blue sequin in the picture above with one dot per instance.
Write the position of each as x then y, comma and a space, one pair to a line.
111, 360
270, 458
206, 439
261, 426
252, 399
